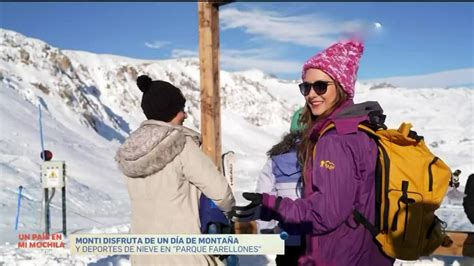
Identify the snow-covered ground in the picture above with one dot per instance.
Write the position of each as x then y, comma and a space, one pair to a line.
90, 103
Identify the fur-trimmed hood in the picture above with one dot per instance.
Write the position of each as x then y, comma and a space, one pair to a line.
287, 144
151, 147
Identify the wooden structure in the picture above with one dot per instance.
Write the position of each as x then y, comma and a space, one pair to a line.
462, 245
208, 14
209, 76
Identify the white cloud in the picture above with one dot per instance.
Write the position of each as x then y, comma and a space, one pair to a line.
257, 59
237, 60
156, 44
179, 53
308, 30
451, 78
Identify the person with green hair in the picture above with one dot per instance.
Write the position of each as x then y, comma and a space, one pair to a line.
281, 176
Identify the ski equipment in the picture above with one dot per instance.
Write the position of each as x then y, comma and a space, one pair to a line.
228, 167
454, 182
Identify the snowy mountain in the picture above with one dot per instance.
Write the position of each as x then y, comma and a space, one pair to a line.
90, 103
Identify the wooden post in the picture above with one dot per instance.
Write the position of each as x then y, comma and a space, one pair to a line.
462, 245
210, 89
210, 86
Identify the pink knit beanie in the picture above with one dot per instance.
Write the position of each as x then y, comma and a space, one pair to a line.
340, 61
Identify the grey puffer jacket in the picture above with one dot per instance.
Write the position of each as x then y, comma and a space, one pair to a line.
166, 172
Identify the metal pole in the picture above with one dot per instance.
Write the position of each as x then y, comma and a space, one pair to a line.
46, 211
63, 190
43, 156
18, 208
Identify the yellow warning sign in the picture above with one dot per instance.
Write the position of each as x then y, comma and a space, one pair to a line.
53, 174
53, 177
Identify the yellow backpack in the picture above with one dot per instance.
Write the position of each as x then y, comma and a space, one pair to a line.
410, 184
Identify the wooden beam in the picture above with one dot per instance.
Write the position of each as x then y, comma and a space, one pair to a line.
221, 2
209, 80
462, 245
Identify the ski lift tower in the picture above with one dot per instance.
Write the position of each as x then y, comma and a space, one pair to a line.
208, 14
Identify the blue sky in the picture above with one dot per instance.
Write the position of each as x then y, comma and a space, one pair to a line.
414, 38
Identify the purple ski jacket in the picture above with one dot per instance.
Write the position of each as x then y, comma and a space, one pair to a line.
341, 178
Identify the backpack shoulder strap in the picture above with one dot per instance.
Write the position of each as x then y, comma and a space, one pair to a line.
360, 218
369, 131
326, 129
361, 127
366, 129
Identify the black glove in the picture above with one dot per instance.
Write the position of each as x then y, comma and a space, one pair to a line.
250, 212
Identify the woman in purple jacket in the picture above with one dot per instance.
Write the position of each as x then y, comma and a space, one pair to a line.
339, 176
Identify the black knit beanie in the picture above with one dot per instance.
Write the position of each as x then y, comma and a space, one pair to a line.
161, 100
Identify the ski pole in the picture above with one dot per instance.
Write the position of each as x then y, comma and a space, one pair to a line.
20, 188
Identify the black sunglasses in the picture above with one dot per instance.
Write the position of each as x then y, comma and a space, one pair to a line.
320, 87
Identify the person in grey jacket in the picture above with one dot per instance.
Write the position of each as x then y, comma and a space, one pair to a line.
166, 172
